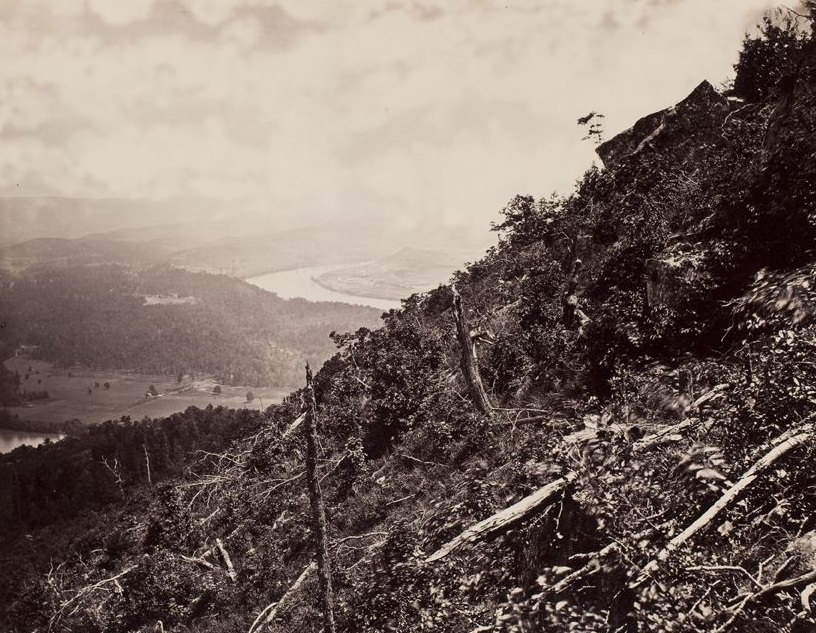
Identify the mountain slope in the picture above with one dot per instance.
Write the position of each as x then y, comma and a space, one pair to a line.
647, 344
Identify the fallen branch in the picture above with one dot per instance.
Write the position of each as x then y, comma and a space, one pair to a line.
356, 537
592, 566
87, 591
416, 460
732, 568
666, 434
227, 560
780, 450
198, 561
501, 520
271, 611
770, 590
400, 500
294, 426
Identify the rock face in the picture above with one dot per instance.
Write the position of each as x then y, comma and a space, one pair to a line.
669, 275
679, 128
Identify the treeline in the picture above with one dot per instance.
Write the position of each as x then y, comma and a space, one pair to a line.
100, 464
97, 316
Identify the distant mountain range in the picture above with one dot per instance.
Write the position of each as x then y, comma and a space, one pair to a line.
389, 259
398, 275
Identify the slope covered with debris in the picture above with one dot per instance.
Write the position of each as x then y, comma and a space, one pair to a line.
642, 457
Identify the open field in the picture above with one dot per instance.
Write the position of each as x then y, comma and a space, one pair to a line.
81, 393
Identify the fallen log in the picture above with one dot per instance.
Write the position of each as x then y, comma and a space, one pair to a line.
503, 519
666, 435
294, 426
592, 566
227, 560
770, 590
268, 614
780, 450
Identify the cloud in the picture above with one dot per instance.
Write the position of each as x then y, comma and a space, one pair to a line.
424, 109
113, 11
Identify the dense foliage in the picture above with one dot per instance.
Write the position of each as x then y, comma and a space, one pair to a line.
648, 344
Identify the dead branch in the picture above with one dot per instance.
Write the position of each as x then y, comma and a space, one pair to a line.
227, 560
198, 561
86, 592
411, 458
506, 517
780, 450
592, 566
765, 592
334, 466
294, 426
355, 537
667, 434
400, 500
733, 568
271, 611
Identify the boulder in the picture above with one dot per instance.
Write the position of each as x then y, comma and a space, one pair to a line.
682, 127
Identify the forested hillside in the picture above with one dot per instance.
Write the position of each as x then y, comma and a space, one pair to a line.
631, 451
164, 320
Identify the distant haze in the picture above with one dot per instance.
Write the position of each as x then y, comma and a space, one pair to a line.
266, 115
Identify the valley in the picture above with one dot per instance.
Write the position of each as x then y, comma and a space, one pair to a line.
93, 396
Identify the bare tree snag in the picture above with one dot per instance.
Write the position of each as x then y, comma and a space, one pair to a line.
147, 465
502, 520
765, 462
318, 511
271, 611
227, 560
468, 360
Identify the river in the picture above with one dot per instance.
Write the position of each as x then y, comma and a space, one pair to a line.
9, 440
300, 283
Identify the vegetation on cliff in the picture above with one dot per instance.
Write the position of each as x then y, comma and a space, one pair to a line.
647, 347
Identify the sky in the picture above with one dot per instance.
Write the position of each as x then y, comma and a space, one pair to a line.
434, 111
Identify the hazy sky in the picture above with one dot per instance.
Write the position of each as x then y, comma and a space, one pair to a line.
424, 108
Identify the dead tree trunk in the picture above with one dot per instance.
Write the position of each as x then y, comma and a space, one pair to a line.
318, 511
501, 521
147, 465
468, 361
791, 440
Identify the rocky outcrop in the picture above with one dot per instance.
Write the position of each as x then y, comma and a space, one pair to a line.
680, 128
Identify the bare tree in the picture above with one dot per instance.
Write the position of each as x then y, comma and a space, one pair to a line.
468, 360
318, 511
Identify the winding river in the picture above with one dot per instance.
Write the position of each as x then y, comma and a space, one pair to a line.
300, 283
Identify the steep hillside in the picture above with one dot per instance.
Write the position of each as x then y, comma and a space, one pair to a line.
639, 457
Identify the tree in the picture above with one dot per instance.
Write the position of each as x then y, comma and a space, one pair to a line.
250, 396
468, 361
217, 390
318, 511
